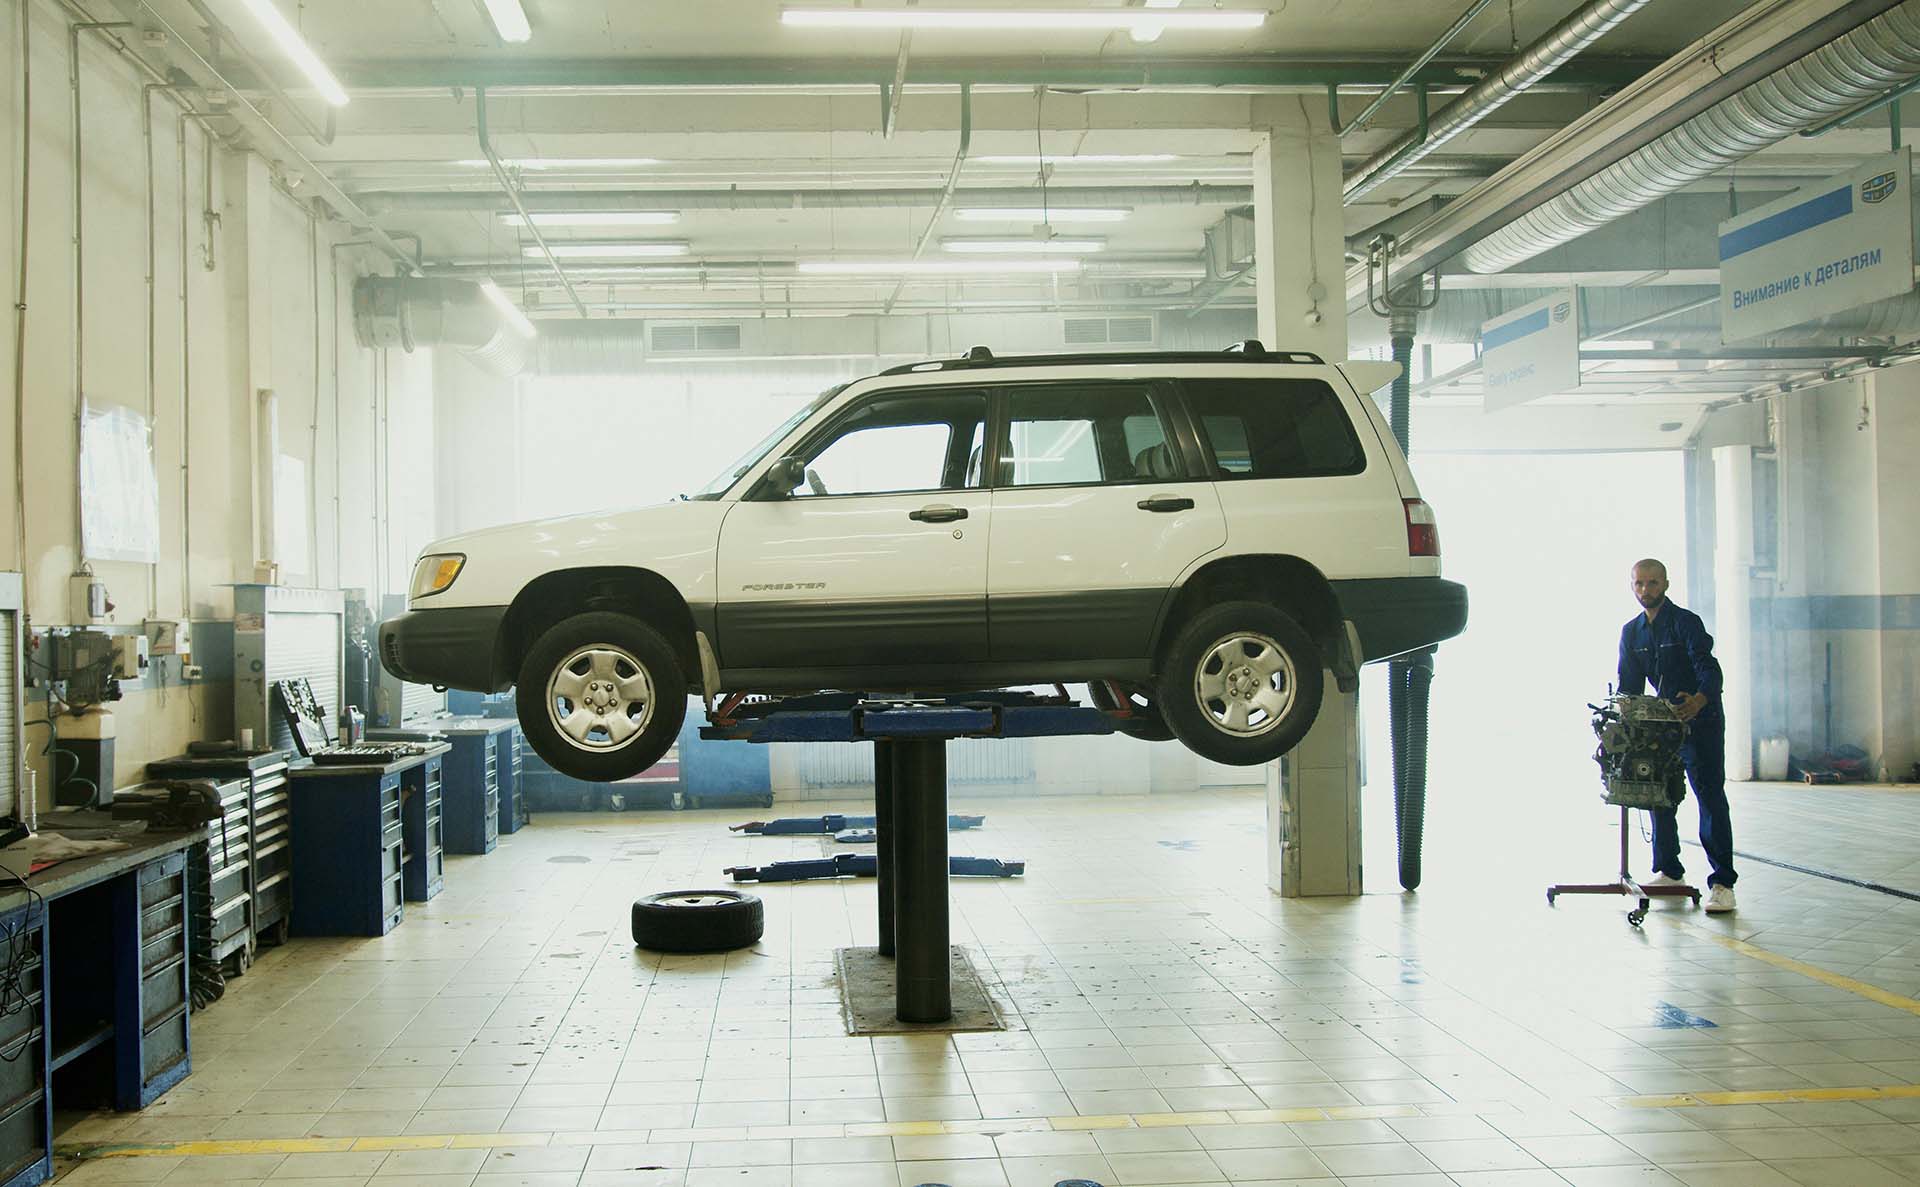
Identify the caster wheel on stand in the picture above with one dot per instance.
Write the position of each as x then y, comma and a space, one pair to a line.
1550, 897
1638, 915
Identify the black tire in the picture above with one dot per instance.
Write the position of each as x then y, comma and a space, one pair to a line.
1143, 721
630, 646
698, 921
1268, 733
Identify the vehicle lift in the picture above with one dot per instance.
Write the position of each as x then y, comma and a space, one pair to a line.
909, 737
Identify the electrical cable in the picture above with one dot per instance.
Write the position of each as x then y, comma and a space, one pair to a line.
20, 956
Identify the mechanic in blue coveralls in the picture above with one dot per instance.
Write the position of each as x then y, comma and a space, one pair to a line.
1669, 646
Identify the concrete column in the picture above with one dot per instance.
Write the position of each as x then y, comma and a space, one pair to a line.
1895, 426
1733, 579
1299, 234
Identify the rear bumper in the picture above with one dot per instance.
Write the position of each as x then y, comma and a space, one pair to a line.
1395, 615
454, 647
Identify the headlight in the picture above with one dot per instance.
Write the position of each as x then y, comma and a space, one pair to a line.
433, 573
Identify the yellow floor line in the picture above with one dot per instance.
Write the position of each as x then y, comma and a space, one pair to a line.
1871, 992
471, 1141
1780, 1096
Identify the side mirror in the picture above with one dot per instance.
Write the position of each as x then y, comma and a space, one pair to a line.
785, 474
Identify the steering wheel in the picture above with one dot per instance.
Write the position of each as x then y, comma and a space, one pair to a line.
814, 484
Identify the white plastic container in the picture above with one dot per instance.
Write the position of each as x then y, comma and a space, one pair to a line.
1773, 760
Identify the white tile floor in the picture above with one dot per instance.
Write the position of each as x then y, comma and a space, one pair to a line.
1173, 1022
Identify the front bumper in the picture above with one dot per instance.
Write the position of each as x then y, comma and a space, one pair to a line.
1395, 615
453, 647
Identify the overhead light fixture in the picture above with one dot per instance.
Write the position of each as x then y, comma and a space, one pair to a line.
508, 309
1058, 246
1034, 214
509, 20
562, 162
905, 267
626, 249
295, 47
595, 218
1163, 3
1020, 20
1138, 158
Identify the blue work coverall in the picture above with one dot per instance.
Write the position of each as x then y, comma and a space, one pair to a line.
1675, 653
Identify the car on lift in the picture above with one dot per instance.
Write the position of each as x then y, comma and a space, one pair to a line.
1197, 536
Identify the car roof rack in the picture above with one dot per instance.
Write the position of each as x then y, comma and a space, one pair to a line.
979, 357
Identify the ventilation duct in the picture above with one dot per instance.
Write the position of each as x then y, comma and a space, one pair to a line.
409, 312
1524, 71
1832, 80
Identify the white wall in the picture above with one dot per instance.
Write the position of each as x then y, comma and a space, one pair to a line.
262, 316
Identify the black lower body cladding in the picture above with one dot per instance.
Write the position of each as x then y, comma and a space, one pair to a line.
453, 646
1395, 615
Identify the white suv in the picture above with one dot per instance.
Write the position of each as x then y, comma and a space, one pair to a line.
1197, 536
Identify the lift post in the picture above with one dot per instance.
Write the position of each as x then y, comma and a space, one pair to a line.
910, 803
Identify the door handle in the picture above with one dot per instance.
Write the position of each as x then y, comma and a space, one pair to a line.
937, 513
1166, 503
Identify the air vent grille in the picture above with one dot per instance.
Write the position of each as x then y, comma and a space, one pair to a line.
1104, 331
694, 337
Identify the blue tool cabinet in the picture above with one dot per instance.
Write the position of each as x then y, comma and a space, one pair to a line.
422, 831
472, 793
26, 1106
513, 804
347, 849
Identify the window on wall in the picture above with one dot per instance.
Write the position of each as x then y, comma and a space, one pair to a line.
1084, 435
917, 442
1274, 428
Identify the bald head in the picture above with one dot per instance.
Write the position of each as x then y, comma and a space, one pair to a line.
1649, 584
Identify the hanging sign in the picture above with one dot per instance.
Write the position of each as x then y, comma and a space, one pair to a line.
1530, 352
1819, 250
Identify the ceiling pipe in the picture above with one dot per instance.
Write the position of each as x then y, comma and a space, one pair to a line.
734, 199
513, 193
220, 34
250, 117
1420, 63
1833, 79
1525, 71
946, 191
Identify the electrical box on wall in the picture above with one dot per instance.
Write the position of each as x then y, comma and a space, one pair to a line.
129, 656
88, 597
169, 636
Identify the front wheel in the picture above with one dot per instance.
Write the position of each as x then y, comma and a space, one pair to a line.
601, 696
1241, 683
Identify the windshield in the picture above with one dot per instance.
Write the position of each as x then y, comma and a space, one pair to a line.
752, 457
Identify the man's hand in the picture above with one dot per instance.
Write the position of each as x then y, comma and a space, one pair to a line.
1689, 706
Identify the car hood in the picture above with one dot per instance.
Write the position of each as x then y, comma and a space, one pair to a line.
589, 531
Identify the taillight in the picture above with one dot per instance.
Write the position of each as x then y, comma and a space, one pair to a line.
1423, 533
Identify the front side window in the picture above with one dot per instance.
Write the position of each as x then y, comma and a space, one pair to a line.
1274, 428
1084, 434
896, 444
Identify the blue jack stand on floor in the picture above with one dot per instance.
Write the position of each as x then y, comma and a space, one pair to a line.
807, 826
866, 865
910, 801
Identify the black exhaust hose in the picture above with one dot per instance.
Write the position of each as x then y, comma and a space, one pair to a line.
1408, 678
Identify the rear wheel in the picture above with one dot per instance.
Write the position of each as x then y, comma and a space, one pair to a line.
601, 696
1241, 683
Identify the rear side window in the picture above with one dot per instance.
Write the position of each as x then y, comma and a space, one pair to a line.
1274, 428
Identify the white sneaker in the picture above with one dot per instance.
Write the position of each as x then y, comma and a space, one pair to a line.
1661, 880
1720, 900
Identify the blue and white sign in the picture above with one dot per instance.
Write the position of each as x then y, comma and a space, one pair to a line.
1530, 352
1819, 250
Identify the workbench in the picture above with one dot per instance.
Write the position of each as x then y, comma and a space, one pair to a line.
102, 957
910, 802
351, 860
482, 776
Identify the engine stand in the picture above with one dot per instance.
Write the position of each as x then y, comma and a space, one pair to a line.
1627, 885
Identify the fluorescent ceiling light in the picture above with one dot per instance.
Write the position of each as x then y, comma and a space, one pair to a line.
507, 308
1033, 214
1142, 158
563, 162
509, 20
626, 250
1052, 247
595, 218
296, 48
1163, 3
1019, 19
904, 267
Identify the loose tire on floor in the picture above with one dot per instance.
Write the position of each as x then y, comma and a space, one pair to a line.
698, 921
1240, 683
1144, 721
601, 696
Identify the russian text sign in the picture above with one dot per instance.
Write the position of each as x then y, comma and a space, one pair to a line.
1530, 352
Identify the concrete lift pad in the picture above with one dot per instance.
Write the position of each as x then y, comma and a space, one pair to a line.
866, 995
